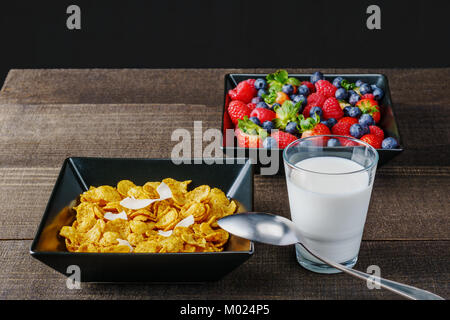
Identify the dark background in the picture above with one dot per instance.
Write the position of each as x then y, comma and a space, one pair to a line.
226, 33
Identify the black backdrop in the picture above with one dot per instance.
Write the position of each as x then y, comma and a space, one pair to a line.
227, 33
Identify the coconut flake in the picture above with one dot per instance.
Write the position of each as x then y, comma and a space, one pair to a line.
186, 222
164, 191
113, 216
125, 243
136, 204
165, 233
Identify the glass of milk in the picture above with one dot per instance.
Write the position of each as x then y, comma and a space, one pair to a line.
329, 193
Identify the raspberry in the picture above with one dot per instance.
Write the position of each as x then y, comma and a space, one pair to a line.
238, 110
332, 109
244, 92
314, 100
325, 88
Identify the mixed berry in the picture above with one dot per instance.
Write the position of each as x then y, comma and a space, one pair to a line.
305, 108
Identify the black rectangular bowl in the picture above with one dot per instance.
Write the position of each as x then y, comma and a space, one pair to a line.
77, 174
387, 123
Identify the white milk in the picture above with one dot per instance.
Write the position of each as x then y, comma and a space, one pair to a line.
330, 210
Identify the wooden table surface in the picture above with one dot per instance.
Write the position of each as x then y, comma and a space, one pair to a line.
48, 115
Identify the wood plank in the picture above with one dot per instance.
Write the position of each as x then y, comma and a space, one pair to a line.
44, 135
189, 86
394, 214
272, 273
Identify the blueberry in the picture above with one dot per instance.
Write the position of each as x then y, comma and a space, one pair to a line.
366, 120
373, 86
260, 84
270, 143
354, 98
296, 98
303, 90
346, 110
365, 89
356, 130
354, 112
331, 122
291, 127
288, 89
358, 83
268, 126
274, 105
315, 110
261, 92
389, 143
333, 142
255, 120
337, 82
378, 94
262, 104
316, 76
341, 94
366, 129
257, 99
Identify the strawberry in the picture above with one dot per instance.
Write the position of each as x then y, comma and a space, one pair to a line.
342, 127
332, 109
312, 126
243, 92
249, 134
238, 110
368, 96
371, 107
263, 114
281, 97
325, 88
310, 86
372, 139
347, 142
282, 138
286, 113
377, 131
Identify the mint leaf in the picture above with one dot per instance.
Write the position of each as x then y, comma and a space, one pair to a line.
347, 85
280, 76
275, 87
270, 98
293, 81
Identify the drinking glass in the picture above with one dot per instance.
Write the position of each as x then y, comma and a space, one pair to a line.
329, 193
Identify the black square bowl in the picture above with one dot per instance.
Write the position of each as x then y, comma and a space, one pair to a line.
387, 123
77, 174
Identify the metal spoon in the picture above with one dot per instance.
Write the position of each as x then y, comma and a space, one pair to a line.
277, 230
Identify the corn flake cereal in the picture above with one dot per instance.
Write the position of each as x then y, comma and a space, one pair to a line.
169, 218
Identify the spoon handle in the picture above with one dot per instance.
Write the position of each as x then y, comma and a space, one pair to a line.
396, 287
